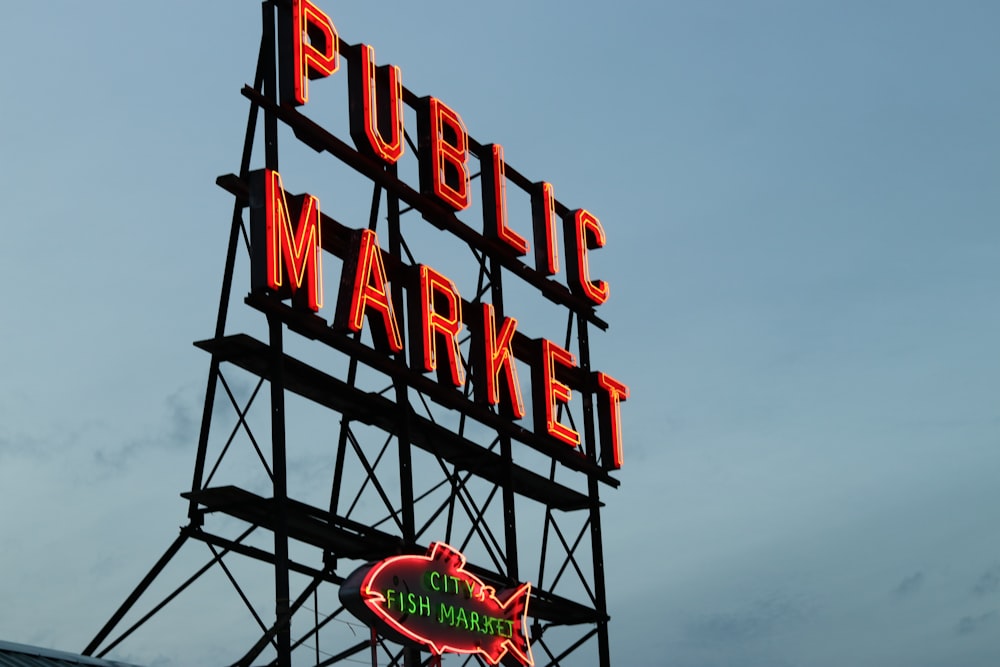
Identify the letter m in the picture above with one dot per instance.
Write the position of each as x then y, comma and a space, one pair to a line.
287, 253
446, 613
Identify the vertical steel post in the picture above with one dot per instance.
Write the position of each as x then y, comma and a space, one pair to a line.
411, 656
509, 514
596, 538
281, 584
282, 613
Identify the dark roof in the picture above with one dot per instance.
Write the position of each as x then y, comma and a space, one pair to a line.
19, 655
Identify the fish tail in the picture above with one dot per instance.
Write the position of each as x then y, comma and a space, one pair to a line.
515, 610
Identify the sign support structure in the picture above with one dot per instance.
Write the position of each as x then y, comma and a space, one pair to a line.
373, 455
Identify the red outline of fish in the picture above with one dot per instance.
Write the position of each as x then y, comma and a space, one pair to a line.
513, 609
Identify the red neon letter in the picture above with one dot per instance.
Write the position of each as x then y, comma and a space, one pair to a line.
295, 253
495, 201
585, 234
440, 317
369, 119
499, 357
543, 214
609, 398
369, 290
312, 38
444, 148
549, 391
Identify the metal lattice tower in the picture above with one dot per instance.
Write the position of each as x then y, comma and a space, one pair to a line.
408, 460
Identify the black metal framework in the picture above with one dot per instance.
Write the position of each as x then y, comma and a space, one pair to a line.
408, 462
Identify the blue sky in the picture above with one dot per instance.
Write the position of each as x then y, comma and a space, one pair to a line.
801, 206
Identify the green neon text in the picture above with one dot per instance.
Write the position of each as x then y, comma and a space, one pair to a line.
458, 617
407, 602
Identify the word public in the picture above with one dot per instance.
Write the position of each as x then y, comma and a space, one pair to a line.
289, 228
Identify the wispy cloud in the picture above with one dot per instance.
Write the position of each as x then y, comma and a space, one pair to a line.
177, 430
988, 582
43, 442
909, 586
763, 618
968, 625
20, 446
184, 418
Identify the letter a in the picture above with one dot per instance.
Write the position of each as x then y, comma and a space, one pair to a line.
364, 290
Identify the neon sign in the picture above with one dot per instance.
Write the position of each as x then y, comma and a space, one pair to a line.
288, 230
436, 316
441, 355
432, 601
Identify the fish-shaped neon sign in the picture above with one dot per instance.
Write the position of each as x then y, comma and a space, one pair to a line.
433, 601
